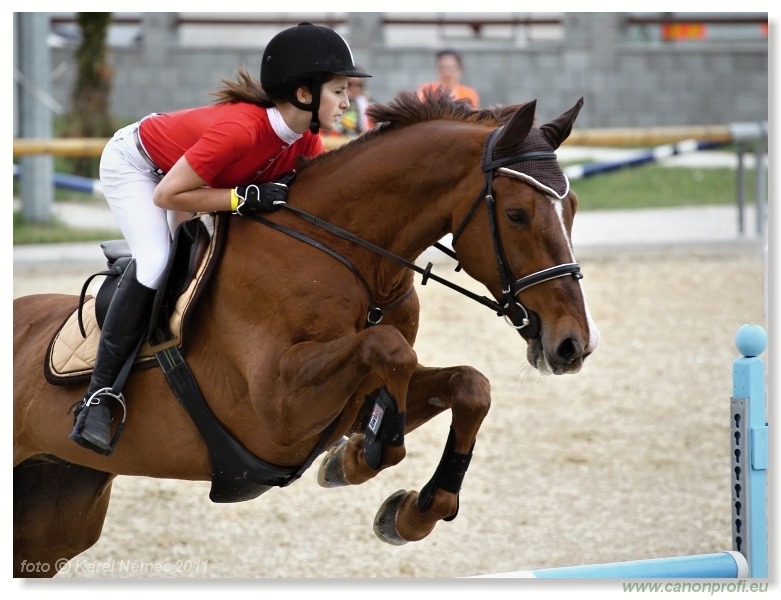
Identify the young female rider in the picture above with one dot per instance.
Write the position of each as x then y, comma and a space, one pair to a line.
220, 157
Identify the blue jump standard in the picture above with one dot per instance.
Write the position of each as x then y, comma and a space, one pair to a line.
750, 450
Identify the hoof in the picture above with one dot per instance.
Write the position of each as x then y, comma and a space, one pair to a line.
385, 521
331, 472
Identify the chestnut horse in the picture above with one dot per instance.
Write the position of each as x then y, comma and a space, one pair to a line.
305, 346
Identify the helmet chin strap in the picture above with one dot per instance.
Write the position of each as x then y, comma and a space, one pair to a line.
314, 105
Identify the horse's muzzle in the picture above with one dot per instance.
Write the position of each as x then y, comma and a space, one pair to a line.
557, 357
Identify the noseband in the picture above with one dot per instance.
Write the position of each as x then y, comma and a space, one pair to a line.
513, 311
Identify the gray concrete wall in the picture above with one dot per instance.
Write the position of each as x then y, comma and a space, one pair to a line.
625, 83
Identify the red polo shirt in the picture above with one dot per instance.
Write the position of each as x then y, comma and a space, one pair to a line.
226, 144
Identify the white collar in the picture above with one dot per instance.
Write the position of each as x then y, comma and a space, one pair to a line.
281, 128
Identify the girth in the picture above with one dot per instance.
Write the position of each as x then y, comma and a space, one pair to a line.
237, 474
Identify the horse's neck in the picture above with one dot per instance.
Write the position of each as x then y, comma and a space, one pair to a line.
399, 195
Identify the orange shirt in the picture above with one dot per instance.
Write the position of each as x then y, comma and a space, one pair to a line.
460, 92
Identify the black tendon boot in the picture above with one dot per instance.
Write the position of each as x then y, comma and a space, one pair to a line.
127, 320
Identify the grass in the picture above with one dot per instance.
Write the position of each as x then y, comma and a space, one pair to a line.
56, 232
26, 232
647, 186
658, 187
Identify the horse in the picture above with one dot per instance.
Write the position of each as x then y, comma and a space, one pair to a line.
302, 343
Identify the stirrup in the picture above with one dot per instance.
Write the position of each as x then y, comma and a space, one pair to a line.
93, 400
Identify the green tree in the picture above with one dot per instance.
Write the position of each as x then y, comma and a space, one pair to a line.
88, 115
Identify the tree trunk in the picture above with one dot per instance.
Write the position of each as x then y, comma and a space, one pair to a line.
89, 112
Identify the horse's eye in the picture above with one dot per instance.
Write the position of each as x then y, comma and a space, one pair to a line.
518, 216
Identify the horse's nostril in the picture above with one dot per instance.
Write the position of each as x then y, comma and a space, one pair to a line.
569, 350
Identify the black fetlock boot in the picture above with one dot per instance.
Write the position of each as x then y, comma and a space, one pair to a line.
126, 323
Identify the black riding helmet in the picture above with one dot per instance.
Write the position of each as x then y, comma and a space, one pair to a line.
302, 55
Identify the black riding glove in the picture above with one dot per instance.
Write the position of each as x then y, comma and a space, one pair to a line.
250, 199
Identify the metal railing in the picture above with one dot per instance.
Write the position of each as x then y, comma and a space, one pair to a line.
747, 137
473, 22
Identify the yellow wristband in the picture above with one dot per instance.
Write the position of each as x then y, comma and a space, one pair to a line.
234, 200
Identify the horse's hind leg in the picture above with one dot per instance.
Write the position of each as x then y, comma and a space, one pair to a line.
59, 510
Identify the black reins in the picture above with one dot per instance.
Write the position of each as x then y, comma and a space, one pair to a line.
376, 312
516, 314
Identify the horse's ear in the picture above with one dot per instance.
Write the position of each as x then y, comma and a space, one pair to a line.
559, 129
516, 130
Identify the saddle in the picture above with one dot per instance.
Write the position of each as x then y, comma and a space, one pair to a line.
71, 354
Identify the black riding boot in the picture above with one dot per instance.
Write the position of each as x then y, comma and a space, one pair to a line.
126, 322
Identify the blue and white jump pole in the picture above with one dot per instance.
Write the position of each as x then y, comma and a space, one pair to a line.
720, 565
575, 172
71, 182
749, 451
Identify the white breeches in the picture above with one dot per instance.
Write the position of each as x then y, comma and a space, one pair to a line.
129, 183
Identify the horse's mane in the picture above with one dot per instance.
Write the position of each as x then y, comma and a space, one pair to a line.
408, 108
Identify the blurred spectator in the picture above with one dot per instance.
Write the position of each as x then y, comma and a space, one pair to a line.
450, 68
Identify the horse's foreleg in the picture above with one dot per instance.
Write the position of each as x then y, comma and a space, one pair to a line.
58, 513
321, 380
356, 459
410, 516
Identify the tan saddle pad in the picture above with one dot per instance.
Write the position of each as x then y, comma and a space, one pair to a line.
71, 356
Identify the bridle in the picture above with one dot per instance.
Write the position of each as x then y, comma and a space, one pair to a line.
511, 309
514, 312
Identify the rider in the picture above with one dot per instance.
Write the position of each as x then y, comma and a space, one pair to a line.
226, 156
